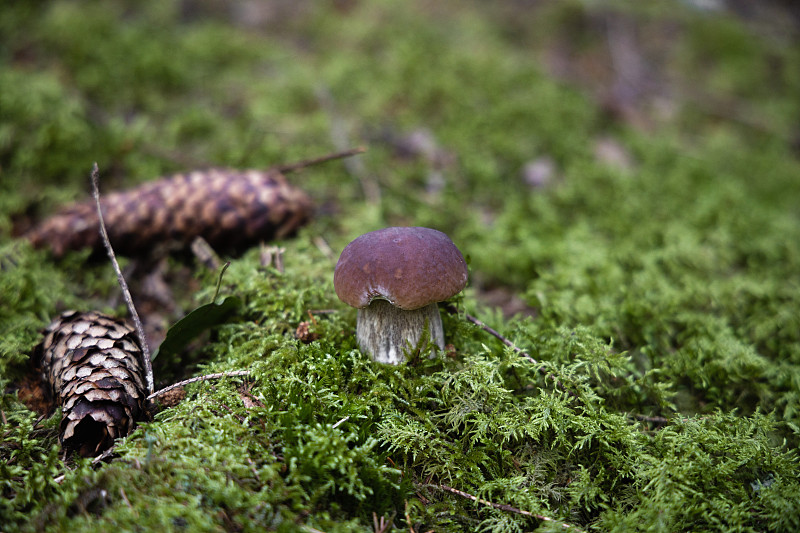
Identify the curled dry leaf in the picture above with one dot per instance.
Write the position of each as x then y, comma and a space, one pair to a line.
173, 397
92, 362
228, 208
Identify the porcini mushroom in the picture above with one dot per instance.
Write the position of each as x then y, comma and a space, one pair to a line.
395, 277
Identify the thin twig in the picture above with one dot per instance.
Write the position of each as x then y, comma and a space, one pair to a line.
494, 333
291, 167
148, 367
204, 253
674, 420
105, 455
199, 378
382, 525
452, 309
272, 256
253, 469
345, 419
324, 247
125, 498
505, 507
408, 519
102, 457
654, 419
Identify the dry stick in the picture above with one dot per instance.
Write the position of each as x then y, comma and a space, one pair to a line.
199, 378
452, 309
345, 419
408, 519
494, 333
125, 498
324, 159
148, 367
110, 451
522, 353
505, 507
325, 248
654, 419
382, 525
102, 457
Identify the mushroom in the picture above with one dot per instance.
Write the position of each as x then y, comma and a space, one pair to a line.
395, 277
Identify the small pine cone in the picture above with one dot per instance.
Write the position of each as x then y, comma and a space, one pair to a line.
230, 209
93, 364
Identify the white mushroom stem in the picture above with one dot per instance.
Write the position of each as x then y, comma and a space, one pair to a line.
383, 330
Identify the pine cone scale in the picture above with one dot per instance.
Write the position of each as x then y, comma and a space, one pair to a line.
228, 208
93, 365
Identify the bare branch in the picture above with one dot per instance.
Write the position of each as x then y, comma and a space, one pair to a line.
272, 256
102, 457
408, 519
382, 525
199, 378
324, 247
291, 167
345, 419
505, 507
205, 253
654, 419
452, 309
148, 367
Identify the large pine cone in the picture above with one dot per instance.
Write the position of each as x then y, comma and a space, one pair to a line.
228, 208
93, 364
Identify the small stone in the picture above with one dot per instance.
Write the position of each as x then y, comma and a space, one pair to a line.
539, 172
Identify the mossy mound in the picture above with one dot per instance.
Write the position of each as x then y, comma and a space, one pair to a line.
643, 248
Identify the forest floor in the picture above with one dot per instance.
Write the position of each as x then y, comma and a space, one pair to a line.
622, 179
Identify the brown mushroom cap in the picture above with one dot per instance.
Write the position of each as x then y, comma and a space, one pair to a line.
409, 267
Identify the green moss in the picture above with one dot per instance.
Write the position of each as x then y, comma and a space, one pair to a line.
663, 293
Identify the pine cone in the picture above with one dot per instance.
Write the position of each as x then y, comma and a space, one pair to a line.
228, 208
93, 364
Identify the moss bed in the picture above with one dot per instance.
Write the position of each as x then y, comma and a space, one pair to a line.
635, 232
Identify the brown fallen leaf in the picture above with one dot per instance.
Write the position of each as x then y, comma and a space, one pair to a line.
172, 397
